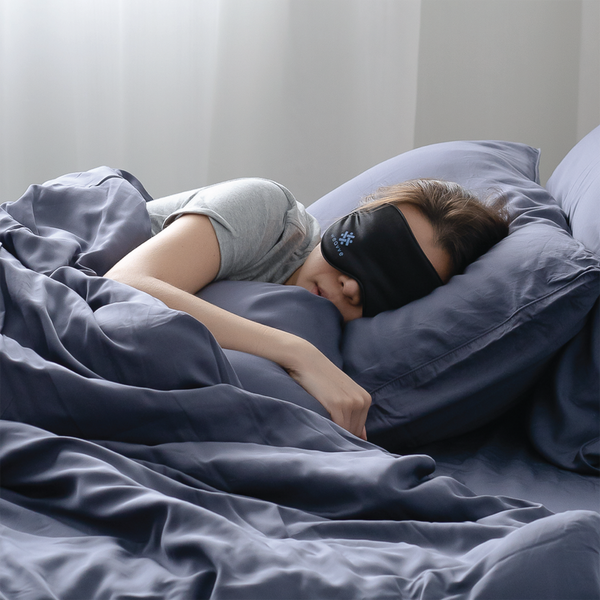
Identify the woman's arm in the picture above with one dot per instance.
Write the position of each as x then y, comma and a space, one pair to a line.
183, 259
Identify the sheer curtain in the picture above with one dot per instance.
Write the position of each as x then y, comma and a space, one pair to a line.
184, 93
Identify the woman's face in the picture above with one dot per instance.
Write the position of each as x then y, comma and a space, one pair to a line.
318, 277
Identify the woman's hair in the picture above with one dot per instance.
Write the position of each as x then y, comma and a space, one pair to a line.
464, 226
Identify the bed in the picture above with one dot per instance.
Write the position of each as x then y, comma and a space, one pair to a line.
140, 460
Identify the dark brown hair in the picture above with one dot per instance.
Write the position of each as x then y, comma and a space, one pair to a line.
464, 226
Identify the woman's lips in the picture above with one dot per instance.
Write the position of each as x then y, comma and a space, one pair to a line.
319, 292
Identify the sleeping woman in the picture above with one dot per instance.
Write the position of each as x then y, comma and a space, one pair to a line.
401, 244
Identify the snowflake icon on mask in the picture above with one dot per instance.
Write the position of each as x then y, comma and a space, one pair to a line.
346, 238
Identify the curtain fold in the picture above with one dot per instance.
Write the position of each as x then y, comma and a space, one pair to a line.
190, 92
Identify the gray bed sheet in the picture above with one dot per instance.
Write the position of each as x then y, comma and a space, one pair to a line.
499, 460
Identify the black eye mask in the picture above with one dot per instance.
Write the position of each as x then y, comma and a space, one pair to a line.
378, 249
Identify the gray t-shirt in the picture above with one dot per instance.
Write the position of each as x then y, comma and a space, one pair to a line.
264, 234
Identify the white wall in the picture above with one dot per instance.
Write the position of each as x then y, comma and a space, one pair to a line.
588, 109
185, 93
519, 70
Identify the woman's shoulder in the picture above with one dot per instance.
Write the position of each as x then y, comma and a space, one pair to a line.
237, 205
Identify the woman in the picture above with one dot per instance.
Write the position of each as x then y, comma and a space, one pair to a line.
401, 244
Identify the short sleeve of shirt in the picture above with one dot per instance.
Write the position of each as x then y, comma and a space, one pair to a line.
264, 234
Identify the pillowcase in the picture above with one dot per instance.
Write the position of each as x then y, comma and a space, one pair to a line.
565, 416
285, 307
482, 166
575, 184
456, 359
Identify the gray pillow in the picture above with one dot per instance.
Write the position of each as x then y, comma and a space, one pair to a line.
285, 307
575, 184
565, 419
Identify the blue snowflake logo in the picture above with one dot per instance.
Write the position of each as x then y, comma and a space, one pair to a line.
346, 238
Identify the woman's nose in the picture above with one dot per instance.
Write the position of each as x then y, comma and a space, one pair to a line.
351, 289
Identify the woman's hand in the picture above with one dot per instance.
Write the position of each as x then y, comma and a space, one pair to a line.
346, 401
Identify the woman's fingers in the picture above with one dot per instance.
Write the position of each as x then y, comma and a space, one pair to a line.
346, 401
349, 407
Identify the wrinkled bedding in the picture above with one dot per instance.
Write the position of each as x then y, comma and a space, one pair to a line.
500, 459
134, 465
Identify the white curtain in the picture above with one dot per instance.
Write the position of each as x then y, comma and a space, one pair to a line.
188, 92
184, 93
